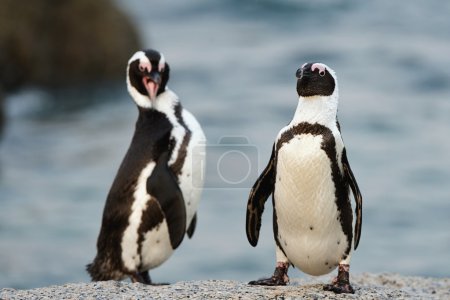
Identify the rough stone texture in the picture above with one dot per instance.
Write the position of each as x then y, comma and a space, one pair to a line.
367, 286
59, 43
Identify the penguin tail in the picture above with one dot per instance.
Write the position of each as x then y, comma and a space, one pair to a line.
90, 268
103, 271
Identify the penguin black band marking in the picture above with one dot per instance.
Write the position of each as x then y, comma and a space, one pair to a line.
342, 190
152, 217
182, 152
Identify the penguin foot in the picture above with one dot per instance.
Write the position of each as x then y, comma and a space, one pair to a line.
272, 281
339, 288
341, 284
279, 276
138, 277
144, 277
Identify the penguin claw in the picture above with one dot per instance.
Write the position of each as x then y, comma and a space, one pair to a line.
272, 281
341, 283
339, 288
279, 277
144, 278
136, 279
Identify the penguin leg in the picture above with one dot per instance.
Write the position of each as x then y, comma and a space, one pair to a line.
146, 277
137, 277
279, 276
341, 284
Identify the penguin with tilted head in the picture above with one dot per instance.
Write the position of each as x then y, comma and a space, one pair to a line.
309, 177
153, 200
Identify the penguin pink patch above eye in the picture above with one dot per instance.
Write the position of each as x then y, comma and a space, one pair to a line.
321, 67
145, 66
162, 63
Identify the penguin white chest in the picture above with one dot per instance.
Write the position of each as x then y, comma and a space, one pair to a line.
309, 230
191, 177
149, 249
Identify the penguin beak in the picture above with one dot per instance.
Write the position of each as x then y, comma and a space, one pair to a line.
151, 83
303, 72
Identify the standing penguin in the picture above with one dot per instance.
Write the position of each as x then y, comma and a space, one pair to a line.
153, 200
309, 177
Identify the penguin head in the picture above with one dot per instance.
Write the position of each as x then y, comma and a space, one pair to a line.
316, 79
147, 76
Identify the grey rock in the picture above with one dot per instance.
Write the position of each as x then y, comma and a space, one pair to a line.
367, 286
62, 43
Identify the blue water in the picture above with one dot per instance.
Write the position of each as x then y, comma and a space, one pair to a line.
233, 65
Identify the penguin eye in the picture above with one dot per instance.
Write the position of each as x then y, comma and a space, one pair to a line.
141, 68
322, 73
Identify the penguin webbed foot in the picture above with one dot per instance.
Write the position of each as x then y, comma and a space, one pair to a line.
339, 288
341, 284
279, 277
272, 281
144, 278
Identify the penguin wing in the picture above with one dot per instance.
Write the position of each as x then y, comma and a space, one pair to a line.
259, 193
162, 185
356, 194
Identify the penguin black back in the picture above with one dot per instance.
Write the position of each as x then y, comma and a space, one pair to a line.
150, 140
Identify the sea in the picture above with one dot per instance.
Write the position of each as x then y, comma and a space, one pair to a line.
233, 66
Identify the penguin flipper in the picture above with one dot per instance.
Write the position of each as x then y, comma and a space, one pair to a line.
191, 228
356, 194
163, 186
259, 193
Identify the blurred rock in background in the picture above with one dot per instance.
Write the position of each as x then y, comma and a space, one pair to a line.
59, 44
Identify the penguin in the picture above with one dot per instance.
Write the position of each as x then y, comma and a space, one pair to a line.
153, 200
309, 177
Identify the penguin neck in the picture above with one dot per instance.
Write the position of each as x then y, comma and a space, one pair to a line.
317, 109
166, 102
162, 103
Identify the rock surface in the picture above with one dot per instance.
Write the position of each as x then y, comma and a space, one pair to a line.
60, 43
367, 286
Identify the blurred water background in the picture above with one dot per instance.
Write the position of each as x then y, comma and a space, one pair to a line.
233, 66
